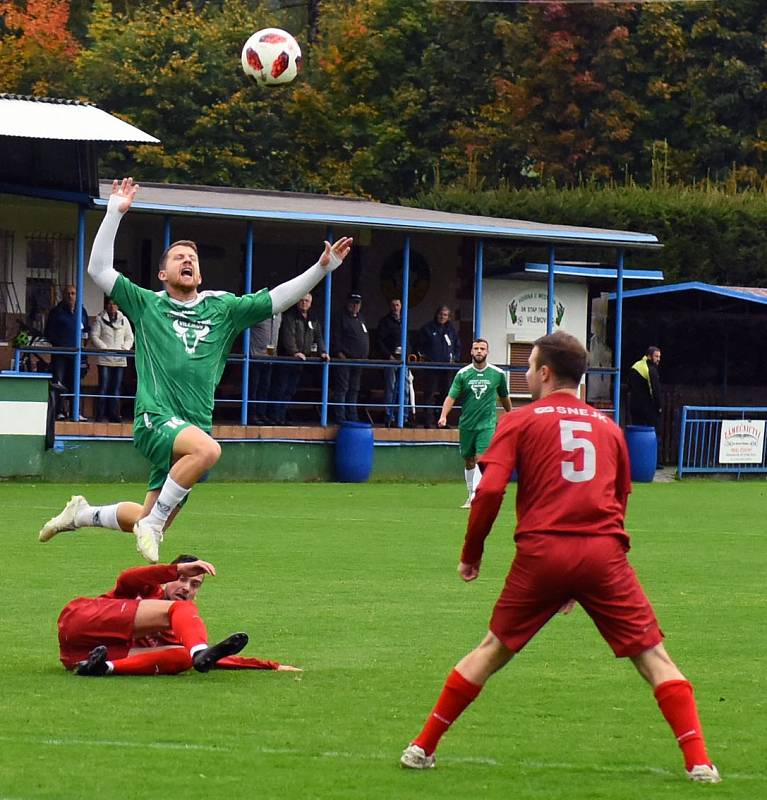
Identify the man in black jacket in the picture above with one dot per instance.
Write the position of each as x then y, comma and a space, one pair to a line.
437, 341
644, 392
349, 340
300, 338
389, 334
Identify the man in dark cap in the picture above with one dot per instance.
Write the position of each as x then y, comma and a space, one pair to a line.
349, 339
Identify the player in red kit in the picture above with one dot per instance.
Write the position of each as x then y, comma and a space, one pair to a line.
573, 484
148, 624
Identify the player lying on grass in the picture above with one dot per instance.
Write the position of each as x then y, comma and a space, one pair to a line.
148, 624
182, 340
573, 485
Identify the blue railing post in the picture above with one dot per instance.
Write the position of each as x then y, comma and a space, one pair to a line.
80, 266
550, 292
618, 338
479, 269
403, 337
326, 325
682, 435
246, 333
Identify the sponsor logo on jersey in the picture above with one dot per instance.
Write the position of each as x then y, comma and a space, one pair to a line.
478, 388
190, 331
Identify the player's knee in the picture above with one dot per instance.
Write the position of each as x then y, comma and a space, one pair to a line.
209, 453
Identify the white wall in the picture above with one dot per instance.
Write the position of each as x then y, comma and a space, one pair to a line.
528, 320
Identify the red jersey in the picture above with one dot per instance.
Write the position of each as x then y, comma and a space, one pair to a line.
573, 473
143, 583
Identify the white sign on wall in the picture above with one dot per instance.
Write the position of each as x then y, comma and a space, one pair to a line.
527, 312
741, 441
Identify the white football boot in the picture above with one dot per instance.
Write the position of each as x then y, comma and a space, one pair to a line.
148, 539
65, 521
703, 773
414, 757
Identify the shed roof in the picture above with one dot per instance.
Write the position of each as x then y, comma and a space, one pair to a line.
576, 270
50, 118
751, 294
329, 210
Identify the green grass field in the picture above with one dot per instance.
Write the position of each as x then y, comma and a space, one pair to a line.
357, 584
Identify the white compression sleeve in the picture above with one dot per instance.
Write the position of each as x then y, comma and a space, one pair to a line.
289, 293
100, 265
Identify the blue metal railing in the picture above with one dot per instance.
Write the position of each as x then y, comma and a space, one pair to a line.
700, 439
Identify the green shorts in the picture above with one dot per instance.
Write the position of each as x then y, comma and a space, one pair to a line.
153, 437
474, 442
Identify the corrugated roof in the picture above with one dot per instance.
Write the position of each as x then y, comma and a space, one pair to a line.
329, 210
51, 118
749, 294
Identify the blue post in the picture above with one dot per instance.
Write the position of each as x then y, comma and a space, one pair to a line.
479, 269
550, 297
618, 338
80, 280
682, 436
403, 338
246, 334
166, 222
326, 325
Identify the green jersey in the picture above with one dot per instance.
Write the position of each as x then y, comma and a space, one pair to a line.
181, 348
476, 390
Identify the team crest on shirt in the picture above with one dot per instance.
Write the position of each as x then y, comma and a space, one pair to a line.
190, 331
479, 388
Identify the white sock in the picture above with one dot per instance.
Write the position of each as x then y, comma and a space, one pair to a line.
171, 495
98, 517
468, 474
476, 479
110, 668
197, 648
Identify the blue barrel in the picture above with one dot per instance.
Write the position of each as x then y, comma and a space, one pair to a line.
643, 452
354, 452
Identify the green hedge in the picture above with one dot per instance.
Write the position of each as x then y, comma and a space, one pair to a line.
708, 234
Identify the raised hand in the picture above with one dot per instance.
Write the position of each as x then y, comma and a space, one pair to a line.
191, 568
126, 191
340, 249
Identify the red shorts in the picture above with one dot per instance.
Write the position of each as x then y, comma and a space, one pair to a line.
87, 622
550, 569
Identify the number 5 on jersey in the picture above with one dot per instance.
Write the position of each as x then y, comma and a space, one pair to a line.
571, 443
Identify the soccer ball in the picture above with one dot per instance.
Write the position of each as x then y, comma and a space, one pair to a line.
271, 56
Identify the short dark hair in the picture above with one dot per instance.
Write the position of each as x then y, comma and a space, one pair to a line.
184, 558
563, 354
474, 341
652, 350
185, 242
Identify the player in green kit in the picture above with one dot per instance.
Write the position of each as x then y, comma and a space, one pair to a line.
182, 340
476, 387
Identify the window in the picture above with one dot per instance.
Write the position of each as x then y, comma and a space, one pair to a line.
50, 267
9, 300
518, 353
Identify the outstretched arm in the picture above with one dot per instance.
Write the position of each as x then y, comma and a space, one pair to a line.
289, 293
100, 265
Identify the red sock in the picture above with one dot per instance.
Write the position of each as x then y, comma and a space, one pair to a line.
457, 695
677, 705
187, 624
154, 662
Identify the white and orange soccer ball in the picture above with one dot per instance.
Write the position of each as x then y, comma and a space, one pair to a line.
271, 56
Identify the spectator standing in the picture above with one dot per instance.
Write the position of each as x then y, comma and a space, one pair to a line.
263, 343
350, 340
111, 331
437, 342
389, 334
644, 392
62, 329
300, 338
